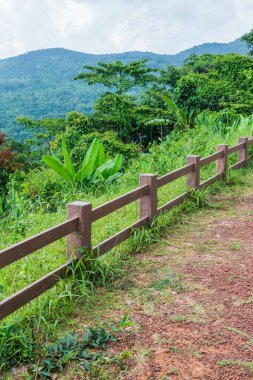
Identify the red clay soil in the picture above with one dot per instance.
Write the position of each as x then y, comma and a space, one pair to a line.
206, 331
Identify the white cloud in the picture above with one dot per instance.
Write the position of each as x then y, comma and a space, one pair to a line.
99, 26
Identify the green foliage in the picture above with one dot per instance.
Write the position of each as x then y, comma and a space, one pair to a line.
16, 344
19, 345
115, 112
12, 204
43, 131
72, 347
94, 167
117, 76
39, 84
172, 281
111, 143
215, 83
248, 38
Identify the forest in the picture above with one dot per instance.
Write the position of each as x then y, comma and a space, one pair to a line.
144, 120
39, 84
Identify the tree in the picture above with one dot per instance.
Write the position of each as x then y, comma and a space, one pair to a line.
248, 38
43, 131
117, 76
115, 109
8, 163
115, 112
215, 82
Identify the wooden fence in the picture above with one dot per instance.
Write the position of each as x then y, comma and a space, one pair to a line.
77, 228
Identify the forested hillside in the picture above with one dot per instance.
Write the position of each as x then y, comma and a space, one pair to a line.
181, 110
40, 84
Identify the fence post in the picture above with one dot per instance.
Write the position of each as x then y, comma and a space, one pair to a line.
243, 152
81, 238
148, 203
193, 179
221, 163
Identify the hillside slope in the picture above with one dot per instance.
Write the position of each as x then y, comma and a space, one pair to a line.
40, 83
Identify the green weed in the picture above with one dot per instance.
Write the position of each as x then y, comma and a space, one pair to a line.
172, 281
236, 362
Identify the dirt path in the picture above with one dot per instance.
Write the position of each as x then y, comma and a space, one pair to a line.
190, 299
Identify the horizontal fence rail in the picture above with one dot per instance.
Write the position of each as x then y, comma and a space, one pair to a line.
21, 298
30, 245
175, 202
118, 238
235, 148
167, 178
211, 158
116, 204
77, 228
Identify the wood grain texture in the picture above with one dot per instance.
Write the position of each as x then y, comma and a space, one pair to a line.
194, 177
235, 148
211, 158
32, 244
81, 238
114, 205
243, 151
167, 178
211, 180
221, 163
173, 203
118, 238
238, 165
21, 298
148, 203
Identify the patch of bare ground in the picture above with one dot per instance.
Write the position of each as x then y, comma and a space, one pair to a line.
191, 301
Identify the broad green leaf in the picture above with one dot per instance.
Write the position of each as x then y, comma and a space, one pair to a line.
100, 157
96, 177
117, 164
67, 160
92, 152
111, 178
58, 167
85, 171
106, 168
170, 103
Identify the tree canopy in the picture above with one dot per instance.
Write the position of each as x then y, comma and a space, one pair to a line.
117, 76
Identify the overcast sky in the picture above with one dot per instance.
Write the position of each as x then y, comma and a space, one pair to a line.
108, 26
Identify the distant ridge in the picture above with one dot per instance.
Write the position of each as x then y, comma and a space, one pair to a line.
40, 83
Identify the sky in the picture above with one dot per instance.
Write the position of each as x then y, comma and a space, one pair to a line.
110, 26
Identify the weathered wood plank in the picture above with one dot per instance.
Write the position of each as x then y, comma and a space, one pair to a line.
211, 158
114, 205
243, 152
118, 238
32, 244
238, 165
81, 238
235, 148
173, 203
167, 178
221, 163
193, 178
148, 203
21, 298
211, 180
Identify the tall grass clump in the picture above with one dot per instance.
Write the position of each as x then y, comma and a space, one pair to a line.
45, 315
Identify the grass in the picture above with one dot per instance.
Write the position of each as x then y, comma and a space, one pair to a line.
49, 314
236, 362
172, 281
82, 293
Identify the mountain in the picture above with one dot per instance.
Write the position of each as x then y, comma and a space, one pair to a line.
40, 83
